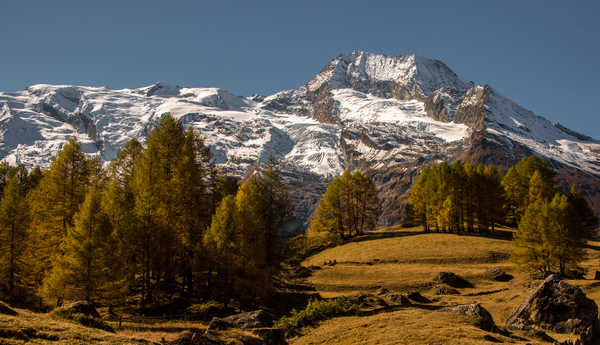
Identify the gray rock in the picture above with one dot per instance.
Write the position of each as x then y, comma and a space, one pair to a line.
483, 319
253, 319
557, 306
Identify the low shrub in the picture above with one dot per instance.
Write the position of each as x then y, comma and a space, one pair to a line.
206, 311
316, 311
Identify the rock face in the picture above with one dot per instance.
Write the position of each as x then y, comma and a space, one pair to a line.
452, 280
559, 307
252, 319
82, 307
483, 319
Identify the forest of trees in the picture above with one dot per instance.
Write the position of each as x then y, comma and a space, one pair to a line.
458, 197
467, 198
156, 223
349, 207
159, 222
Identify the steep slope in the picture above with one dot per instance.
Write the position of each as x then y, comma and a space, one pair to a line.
385, 115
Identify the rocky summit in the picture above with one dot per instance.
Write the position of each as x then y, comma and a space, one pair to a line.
385, 115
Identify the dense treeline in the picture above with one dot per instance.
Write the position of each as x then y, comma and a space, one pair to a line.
349, 207
157, 223
464, 198
457, 197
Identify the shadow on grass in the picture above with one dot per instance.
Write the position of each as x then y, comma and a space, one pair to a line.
498, 234
394, 308
158, 329
589, 246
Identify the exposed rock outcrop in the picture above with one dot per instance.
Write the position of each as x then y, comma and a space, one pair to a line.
253, 319
483, 319
471, 111
557, 306
395, 298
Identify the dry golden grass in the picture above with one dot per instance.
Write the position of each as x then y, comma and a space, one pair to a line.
406, 261
407, 326
409, 260
52, 331
419, 248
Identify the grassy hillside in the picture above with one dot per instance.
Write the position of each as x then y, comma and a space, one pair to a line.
401, 260
407, 260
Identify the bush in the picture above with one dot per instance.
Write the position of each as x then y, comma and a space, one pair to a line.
208, 310
316, 311
82, 319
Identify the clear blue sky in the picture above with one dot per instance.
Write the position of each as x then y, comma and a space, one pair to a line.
542, 54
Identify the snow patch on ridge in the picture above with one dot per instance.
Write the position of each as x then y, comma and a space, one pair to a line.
356, 106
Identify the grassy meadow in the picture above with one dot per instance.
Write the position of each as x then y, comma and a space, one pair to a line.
399, 259
406, 260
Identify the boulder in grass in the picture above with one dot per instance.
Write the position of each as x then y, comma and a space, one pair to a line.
499, 275
483, 319
397, 299
453, 280
253, 319
559, 307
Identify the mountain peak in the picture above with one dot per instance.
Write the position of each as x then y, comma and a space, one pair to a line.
363, 70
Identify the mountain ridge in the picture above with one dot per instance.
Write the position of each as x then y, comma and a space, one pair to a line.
387, 116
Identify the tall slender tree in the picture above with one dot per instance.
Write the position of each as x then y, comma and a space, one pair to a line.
82, 271
14, 222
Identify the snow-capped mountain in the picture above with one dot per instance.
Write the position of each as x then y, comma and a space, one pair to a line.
385, 115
